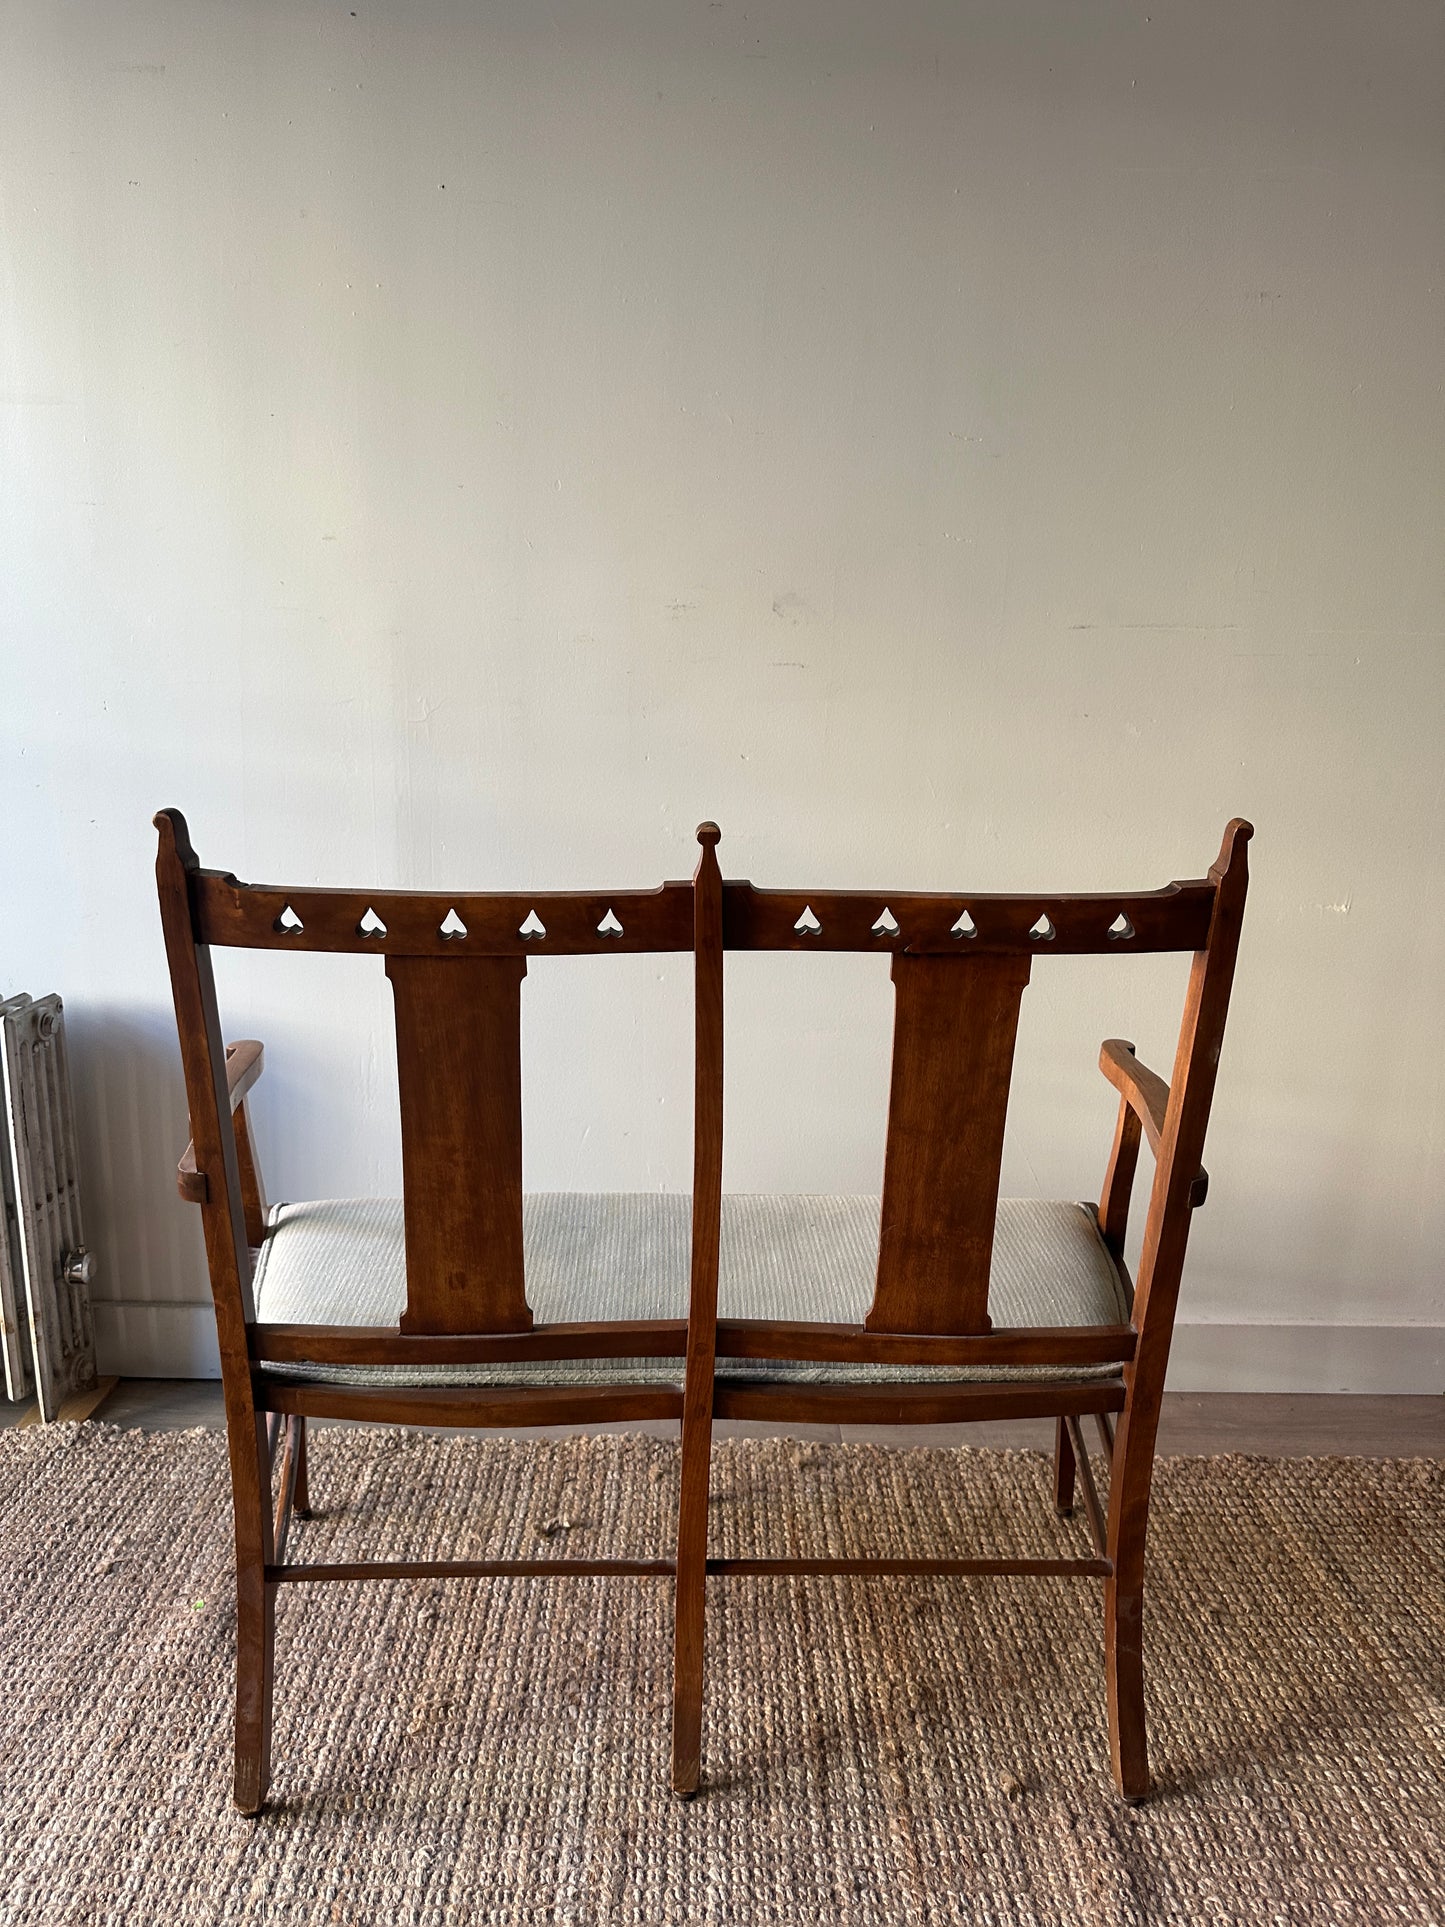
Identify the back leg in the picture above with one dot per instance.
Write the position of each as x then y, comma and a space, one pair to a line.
1124, 1664
255, 1676
301, 1493
255, 1608
1064, 1468
691, 1586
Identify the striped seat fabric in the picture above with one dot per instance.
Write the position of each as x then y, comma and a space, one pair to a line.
626, 1256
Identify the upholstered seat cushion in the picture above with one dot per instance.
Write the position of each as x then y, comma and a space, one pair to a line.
626, 1255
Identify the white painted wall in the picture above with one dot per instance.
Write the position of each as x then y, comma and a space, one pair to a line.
954, 445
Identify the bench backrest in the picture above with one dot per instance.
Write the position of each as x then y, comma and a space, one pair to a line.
960, 963
456, 964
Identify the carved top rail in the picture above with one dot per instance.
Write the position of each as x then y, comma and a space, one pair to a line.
228, 912
422, 923
947, 924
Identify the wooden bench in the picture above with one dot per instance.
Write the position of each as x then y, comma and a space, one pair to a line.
466, 1303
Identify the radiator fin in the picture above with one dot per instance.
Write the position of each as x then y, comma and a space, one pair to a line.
46, 1330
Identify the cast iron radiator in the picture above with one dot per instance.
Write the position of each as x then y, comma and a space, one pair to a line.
46, 1331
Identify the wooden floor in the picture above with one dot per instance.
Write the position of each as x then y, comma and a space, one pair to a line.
1275, 1424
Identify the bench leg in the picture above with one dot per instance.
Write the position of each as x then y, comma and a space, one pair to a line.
255, 1667
1130, 1478
1124, 1663
255, 1606
690, 1597
1063, 1469
301, 1495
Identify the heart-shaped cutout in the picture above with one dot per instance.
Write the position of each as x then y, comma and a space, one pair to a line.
885, 924
452, 925
532, 926
609, 926
807, 924
1043, 931
288, 924
371, 925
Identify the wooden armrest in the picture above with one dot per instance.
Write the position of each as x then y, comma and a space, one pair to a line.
244, 1063
1145, 1089
1148, 1095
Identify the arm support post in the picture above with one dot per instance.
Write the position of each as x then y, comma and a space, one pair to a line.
244, 1064
1146, 1095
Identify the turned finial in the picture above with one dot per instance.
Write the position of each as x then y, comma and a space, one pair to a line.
1237, 833
175, 836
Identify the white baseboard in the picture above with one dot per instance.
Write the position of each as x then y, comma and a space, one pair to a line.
1308, 1358
139, 1340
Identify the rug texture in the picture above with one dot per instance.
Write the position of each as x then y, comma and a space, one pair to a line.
876, 1751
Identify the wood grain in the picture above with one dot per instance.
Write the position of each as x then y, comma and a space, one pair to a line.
960, 964
1145, 1090
245, 1061
248, 915
386, 1345
953, 1048
228, 1258
324, 1574
1118, 1188
863, 1568
459, 1073
1174, 918
697, 1412
781, 1400
1161, 1265
1065, 1469
667, 1338
478, 1406
1147, 1095
71, 1411
254, 1207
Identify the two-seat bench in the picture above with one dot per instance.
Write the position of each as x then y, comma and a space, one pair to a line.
468, 1303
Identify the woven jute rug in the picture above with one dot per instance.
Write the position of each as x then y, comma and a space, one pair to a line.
876, 1751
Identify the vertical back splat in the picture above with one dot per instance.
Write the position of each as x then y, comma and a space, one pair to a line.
459, 1069
953, 1046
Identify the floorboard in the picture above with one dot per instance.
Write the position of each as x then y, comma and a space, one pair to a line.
1274, 1424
